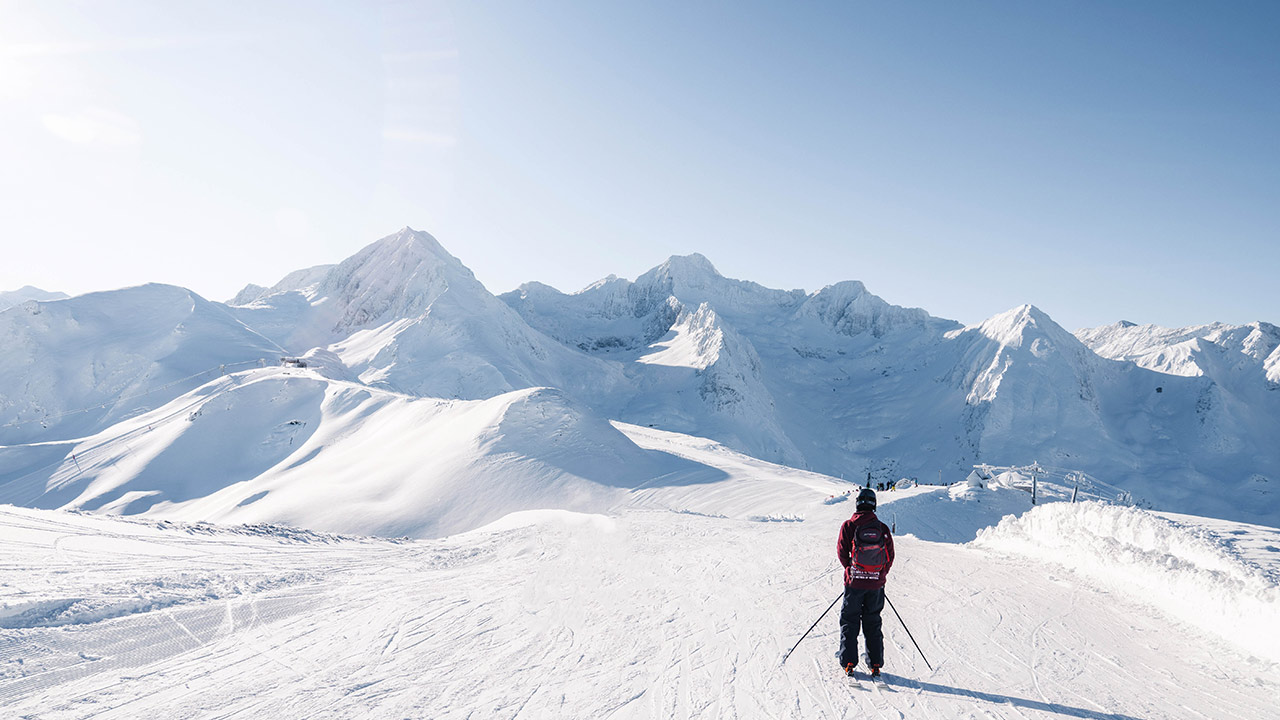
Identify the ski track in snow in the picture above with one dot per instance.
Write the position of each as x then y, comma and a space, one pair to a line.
649, 614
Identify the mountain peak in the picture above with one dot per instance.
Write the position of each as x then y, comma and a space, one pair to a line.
693, 280
406, 252
419, 242
850, 309
692, 261
398, 276
1014, 326
610, 281
694, 269
1025, 314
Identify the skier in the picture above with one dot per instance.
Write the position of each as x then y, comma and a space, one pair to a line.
865, 549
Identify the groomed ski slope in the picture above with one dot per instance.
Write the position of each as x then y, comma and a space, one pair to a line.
661, 609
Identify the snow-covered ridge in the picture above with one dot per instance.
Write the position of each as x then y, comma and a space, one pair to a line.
292, 446
1026, 323
849, 309
396, 277
703, 377
72, 366
303, 280
694, 280
695, 341
9, 298
1183, 570
1177, 351
405, 315
610, 316
1022, 340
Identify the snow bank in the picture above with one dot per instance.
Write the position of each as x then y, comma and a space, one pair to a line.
566, 518
149, 595
970, 489
1189, 573
833, 499
775, 518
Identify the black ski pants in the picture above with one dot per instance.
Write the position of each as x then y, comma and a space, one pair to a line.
861, 607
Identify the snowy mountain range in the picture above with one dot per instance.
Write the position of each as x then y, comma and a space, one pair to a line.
409, 390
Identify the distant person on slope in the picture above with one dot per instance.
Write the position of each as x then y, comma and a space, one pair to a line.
865, 549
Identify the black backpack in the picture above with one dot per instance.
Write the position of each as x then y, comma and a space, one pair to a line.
871, 547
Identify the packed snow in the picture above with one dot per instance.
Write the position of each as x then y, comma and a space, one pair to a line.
659, 607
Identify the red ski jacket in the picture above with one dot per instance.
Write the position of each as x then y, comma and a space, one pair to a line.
853, 576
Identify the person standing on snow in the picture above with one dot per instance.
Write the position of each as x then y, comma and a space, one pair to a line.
865, 549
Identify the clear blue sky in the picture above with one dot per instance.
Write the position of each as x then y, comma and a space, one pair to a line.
1101, 160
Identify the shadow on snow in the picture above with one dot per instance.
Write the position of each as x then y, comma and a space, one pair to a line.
1048, 707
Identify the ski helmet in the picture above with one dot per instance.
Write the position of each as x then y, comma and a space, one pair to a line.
866, 499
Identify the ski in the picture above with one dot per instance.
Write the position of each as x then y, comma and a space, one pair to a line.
849, 679
877, 681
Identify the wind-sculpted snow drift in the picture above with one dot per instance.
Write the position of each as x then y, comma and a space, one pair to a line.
1177, 567
837, 381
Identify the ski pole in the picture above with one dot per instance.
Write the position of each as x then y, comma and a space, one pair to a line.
811, 627
904, 627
